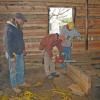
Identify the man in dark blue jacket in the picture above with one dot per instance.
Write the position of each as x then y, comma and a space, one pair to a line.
14, 46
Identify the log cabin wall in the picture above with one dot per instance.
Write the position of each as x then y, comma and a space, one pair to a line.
36, 12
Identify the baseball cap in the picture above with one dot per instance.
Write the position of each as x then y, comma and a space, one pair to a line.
20, 16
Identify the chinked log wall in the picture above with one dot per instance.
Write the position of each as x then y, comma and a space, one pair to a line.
36, 12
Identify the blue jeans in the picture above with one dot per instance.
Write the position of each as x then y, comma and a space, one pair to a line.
16, 70
67, 53
67, 56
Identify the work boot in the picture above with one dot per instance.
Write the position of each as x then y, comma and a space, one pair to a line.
54, 74
50, 77
25, 85
16, 90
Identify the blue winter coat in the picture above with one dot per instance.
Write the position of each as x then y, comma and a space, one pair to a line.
13, 40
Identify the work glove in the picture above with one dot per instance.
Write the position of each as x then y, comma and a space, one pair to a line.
13, 58
61, 54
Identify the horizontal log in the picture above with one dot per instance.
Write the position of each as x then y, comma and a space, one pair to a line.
92, 22
41, 33
30, 21
89, 30
28, 15
75, 89
95, 44
93, 2
31, 46
36, 25
45, 27
20, 3
33, 37
35, 32
74, 1
23, 8
78, 46
24, 12
80, 78
49, 3
37, 21
91, 11
90, 14
43, 10
68, 1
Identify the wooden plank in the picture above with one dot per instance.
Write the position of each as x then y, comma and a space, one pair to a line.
62, 4
82, 13
26, 13
20, 3
75, 89
93, 1
91, 11
80, 78
35, 25
31, 38
11, 9
94, 43
44, 24
37, 15
31, 21
40, 32
68, 1
28, 9
37, 21
45, 28
95, 62
78, 45
31, 46
95, 30
35, 32
80, 22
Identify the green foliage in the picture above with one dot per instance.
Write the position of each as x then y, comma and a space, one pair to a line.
66, 20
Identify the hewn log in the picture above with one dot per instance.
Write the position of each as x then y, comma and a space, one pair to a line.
80, 78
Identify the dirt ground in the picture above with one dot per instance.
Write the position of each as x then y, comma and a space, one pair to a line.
43, 88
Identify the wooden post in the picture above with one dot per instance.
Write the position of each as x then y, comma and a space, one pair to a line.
86, 26
74, 15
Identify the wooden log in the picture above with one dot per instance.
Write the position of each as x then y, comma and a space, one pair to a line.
74, 1
80, 78
75, 89
95, 62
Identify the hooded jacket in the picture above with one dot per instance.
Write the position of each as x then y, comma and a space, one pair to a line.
13, 39
48, 42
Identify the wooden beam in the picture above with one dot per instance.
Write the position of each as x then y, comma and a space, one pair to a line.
86, 41
80, 78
